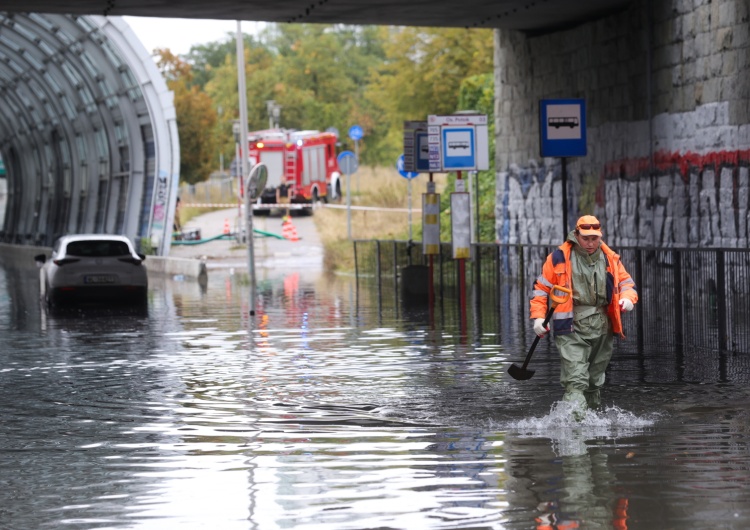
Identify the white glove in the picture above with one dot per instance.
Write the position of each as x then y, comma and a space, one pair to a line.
626, 305
539, 328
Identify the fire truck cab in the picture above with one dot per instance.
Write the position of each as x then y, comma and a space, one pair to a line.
304, 160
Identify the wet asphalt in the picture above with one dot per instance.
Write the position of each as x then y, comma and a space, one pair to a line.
271, 249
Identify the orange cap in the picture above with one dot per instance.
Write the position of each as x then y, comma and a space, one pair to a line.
588, 225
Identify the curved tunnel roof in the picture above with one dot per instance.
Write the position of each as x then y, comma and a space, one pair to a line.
88, 131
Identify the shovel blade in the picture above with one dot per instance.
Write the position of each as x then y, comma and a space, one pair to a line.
518, 373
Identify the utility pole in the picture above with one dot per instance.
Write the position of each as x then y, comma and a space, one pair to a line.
243, 157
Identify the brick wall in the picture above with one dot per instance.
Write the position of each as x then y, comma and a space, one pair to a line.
667, 89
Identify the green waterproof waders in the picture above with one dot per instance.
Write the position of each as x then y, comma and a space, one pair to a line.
585, 355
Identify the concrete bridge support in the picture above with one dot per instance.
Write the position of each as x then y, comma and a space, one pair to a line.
668, 121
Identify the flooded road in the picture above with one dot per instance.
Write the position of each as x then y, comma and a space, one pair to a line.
328, 410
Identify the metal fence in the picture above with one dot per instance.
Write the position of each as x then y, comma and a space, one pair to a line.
690, 300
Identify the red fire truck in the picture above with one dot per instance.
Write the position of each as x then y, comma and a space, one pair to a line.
305, 160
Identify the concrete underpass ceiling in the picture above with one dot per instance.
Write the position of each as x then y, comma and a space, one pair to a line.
522, 15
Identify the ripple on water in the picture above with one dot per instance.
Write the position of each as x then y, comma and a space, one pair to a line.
570, 433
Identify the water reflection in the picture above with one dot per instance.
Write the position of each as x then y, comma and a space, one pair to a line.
331, 409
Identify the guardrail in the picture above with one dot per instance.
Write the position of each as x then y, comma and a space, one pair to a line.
689, 299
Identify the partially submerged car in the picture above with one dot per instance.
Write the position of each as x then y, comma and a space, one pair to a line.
92, 268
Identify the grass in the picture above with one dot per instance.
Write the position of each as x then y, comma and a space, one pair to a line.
380, 187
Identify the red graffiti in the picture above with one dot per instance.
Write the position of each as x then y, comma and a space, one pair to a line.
684, 163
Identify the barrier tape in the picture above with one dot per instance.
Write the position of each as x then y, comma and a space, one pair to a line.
371, 208
255, 206
299, 207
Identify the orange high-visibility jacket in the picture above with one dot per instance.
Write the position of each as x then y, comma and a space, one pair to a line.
557, 271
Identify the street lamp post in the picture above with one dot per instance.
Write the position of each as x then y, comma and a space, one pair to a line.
274, 111
237, 132
243, 157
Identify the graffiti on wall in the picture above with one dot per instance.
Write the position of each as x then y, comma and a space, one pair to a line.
678, 200
686, 200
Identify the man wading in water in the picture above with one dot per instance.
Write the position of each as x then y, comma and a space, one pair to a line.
584, 325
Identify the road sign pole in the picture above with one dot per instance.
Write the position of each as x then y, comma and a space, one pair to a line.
348, 165
356, 133
348, 206
409, 193
356, 154
243, 163
409, 175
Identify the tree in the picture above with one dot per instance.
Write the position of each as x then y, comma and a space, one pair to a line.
196, 118
422, 75
204, 58
316, 73
222, 87
326, 76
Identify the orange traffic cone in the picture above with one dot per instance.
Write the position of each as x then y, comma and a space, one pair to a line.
288, 231
226, 227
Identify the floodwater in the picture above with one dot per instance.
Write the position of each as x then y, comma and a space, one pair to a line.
327, 410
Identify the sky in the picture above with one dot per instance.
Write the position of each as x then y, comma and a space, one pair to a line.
179, 34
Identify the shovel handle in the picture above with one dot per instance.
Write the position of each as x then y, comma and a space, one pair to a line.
559, 299
556, 300
536, 339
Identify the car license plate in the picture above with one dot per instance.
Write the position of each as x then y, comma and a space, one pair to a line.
99, 278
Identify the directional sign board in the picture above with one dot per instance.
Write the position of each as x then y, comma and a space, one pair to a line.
562, 127
347, 162
458, 142
416, 147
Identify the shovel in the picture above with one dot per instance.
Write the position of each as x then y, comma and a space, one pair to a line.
521, 373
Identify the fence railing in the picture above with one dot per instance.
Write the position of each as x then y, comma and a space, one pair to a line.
689, 299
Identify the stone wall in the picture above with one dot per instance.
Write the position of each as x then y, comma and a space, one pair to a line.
667, 90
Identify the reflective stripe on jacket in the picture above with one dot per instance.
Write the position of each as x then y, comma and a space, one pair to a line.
557, 271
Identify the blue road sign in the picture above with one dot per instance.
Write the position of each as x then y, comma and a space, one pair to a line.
562, 127
347, 162
406, 174
356, 132
459, 148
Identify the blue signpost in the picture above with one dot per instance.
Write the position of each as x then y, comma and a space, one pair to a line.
459, 148
356, 133
562, 127
562, 133
400, 167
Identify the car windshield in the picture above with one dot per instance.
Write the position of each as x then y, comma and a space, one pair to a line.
97, 248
